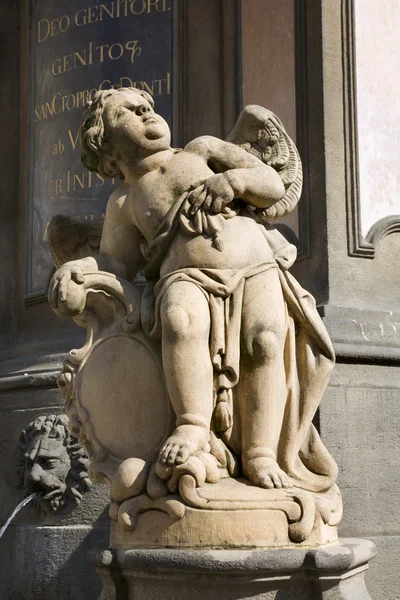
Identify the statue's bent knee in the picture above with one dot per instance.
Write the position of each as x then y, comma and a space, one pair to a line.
183, 322
264, 346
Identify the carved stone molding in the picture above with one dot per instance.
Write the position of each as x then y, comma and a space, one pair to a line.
365, 335
358, 245
36, 371
381, 229
302, 122
331, 572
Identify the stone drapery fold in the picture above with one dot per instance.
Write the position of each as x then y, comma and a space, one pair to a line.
308, 353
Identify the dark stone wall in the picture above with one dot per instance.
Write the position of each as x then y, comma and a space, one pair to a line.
40, 557
9, 126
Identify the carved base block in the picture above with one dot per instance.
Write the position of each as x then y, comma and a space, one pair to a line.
331, 573
229, 514
218, 529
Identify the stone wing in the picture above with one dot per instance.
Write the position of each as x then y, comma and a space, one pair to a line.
71, 239
261, 133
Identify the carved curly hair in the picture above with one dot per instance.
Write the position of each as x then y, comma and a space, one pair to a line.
94, 142
55, 426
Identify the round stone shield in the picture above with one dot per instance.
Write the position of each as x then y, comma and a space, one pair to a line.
122, 392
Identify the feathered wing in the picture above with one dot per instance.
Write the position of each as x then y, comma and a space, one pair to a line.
261, 133
71, 239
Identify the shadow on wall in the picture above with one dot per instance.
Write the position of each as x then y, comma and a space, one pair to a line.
50, 562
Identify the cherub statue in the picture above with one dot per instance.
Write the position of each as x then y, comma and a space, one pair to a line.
245, 355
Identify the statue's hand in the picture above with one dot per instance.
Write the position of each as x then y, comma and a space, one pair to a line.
211, 196
59, 282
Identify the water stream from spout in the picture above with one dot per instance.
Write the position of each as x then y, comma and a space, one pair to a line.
16, 510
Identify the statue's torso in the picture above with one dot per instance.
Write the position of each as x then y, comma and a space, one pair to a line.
150, 199
243, 244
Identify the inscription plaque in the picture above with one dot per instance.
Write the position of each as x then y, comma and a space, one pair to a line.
76, 48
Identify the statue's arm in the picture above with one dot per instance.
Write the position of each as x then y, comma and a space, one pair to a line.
119, 251
120, 241
249, 178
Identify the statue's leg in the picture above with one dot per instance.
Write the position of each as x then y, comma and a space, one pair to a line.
185, 318
262, 386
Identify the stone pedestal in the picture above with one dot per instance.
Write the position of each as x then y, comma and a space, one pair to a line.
330, 573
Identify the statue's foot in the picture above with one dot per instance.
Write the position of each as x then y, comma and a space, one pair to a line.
183, 443
266, 473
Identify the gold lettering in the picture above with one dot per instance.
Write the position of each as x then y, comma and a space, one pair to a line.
74, 140
88, 217
125, 3
151, 3
110, 52
52, 28
53, 103
109, 11
58, 148
75, 182
79, 99
49, 108
92, 17
104, 83
90, 53
41, 35
159, 82
56, 66
146, 87
80, 181
85, 16
114, 9
129, 82
82, 59
77, 17
64, 103
66, 20
138, 12
101, 51
66, 64
44, 238
72, 98
134, 48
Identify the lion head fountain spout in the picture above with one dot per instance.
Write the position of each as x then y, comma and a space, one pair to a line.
52, 464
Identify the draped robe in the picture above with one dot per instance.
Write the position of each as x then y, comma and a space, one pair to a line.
308, 353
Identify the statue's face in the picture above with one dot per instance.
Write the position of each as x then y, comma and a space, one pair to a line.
46, 471
132, 127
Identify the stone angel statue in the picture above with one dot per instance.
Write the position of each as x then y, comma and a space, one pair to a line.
197, 389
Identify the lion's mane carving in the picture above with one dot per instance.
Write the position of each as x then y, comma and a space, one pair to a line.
50, 461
